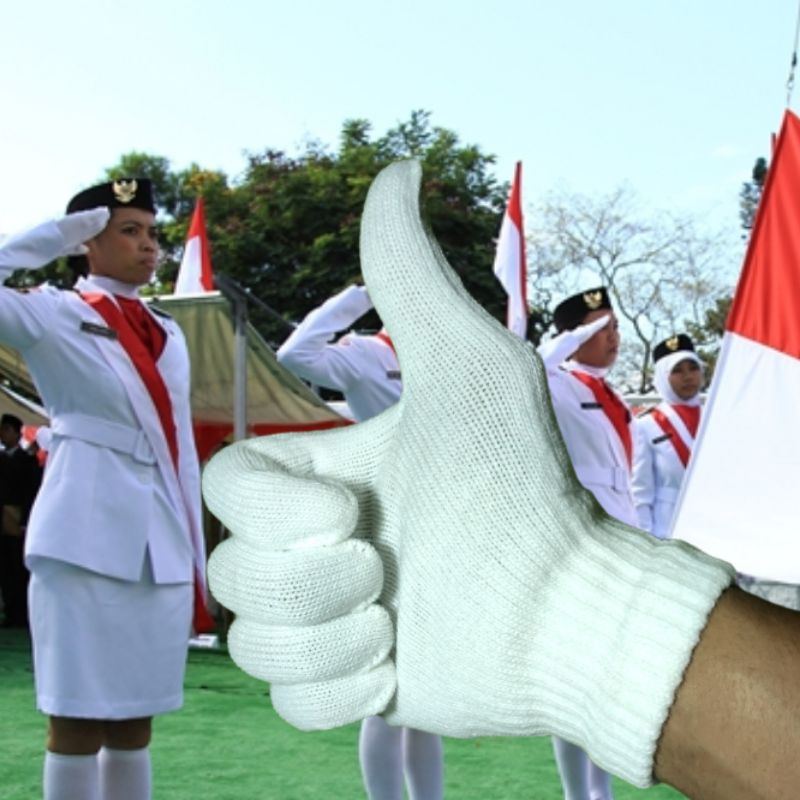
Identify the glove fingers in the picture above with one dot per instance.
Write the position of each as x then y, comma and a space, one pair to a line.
81, 226
283, 491
329, 704
305, 586
350, 644
263, 504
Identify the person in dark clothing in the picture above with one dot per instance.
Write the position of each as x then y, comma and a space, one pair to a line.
20, 476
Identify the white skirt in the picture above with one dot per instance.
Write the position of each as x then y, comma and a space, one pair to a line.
105, 648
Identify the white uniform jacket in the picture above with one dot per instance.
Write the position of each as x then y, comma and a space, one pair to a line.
597, 453
110, 492
363, 368
658, 471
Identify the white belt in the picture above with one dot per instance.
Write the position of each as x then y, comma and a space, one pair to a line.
104, 433
615, 477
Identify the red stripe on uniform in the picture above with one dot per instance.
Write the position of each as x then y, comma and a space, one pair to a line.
615, 410
681, 449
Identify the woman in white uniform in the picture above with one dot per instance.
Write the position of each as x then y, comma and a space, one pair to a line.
596, 426
114, 541
666, 434
365, 370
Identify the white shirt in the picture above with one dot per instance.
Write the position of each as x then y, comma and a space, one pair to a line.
597, 453
363, 368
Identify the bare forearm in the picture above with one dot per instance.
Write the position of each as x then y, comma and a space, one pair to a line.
734, 729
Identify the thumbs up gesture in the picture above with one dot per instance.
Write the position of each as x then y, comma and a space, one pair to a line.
440, 563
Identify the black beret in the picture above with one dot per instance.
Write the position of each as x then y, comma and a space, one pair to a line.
122, 193
10, 419
673, 344
572, 312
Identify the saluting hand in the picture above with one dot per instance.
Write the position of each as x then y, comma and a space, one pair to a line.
37, 246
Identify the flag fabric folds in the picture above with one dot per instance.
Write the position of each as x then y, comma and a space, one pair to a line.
739, 500
509, 262
195, 275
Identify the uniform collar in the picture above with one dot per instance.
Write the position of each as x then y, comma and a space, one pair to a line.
597, 372
95, 283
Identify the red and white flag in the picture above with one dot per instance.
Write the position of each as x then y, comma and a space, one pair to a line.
740, 496
509, 260
195, 274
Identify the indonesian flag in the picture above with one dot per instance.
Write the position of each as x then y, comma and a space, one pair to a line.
740, 500
194, 274
509, 260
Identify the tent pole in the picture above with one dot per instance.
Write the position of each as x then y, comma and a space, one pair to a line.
240, 369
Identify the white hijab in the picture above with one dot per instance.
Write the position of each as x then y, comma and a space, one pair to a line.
664, 367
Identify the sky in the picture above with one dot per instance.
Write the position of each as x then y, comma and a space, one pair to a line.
676, 98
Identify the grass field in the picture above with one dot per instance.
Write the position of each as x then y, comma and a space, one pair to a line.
228, 744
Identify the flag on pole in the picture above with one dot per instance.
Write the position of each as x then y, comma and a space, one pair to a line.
740, 500
509, 260
195, 274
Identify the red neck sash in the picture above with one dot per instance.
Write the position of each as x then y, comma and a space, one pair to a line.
615, 410
143, 361
384, 337
690, 417
681, 449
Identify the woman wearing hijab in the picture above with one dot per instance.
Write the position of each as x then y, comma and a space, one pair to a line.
666, 434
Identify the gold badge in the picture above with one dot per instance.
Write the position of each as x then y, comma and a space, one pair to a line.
593, 300
673, 343
124, 191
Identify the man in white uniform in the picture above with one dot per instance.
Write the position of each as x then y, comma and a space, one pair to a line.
665, 434
114, 539
365, 370
596, 426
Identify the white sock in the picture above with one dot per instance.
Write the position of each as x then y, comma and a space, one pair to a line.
573, 767
423, 760
125, 774
380, 751
69, 777
599, 783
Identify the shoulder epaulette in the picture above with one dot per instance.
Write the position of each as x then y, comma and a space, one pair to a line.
160, 312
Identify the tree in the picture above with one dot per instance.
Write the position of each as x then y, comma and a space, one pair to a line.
288, 229
750, 195
707, 334
659, 270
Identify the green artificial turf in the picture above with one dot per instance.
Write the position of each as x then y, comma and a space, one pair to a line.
228, 744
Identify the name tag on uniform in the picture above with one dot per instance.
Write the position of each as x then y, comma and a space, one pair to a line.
664, 438
591, 405
98, 330
393, 374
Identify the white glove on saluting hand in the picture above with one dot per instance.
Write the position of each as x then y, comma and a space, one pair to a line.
453, 521
38, 246
558, 349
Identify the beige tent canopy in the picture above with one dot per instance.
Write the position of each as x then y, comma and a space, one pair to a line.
274, 400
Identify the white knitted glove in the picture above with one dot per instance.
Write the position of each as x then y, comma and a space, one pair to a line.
561, 347
35, 247
518, 607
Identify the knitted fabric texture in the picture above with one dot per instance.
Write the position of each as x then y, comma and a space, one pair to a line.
517, 606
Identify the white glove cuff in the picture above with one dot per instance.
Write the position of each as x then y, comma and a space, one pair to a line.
628, 612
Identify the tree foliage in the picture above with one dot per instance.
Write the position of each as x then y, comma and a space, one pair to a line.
750, 195
288, 227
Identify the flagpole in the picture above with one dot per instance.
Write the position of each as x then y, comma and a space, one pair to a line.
238, 299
